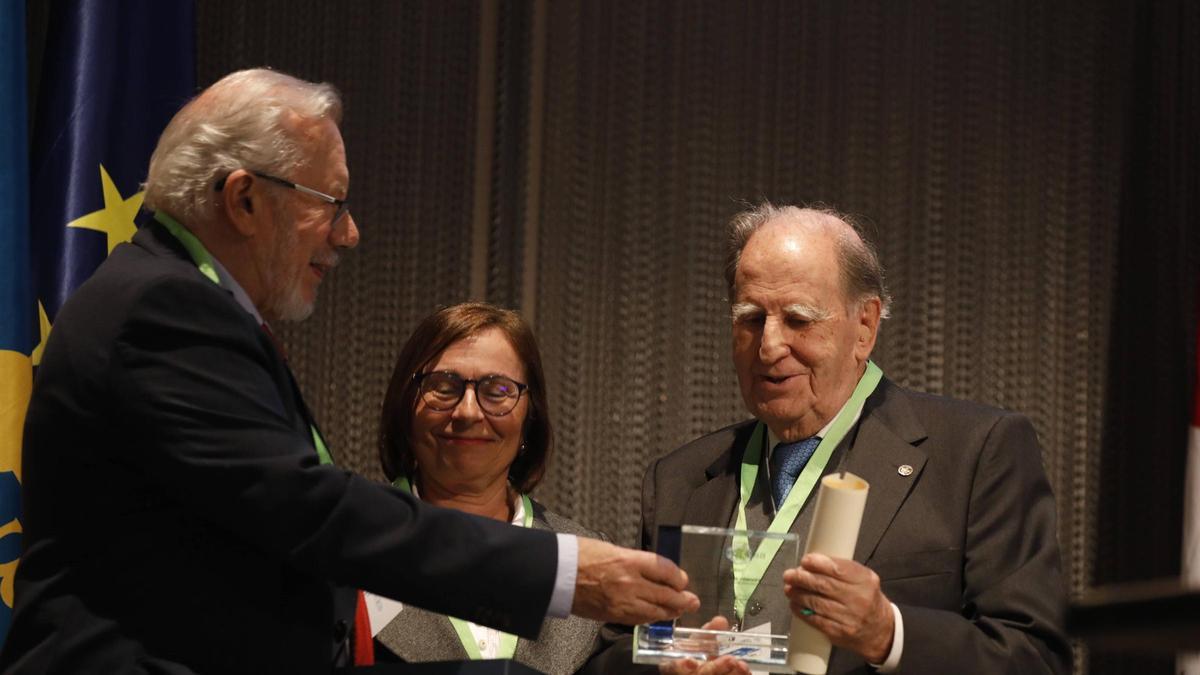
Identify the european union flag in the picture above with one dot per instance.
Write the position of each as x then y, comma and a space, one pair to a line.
114, 73
16, 298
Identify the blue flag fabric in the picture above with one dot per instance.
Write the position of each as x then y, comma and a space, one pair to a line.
114, 72
16, 298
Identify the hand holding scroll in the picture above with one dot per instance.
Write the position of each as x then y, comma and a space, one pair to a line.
846, 604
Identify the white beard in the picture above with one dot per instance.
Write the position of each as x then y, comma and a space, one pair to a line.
286, 301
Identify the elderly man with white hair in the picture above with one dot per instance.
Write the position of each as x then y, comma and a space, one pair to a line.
957, 564
182, 510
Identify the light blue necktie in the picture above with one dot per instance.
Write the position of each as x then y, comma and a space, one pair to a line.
787, 461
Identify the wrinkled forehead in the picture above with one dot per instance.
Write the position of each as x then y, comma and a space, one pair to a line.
783, 250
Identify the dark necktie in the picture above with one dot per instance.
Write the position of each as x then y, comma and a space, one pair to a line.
787, 461
274, 341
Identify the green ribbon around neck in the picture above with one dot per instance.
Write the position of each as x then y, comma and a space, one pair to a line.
508, 642
199, 254
748, 570
204, 262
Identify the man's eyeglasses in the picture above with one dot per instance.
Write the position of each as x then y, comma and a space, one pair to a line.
343, 205
496, 395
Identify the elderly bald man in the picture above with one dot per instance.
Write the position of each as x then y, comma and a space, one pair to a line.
957, 565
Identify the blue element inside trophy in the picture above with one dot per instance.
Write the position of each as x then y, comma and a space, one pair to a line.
736, 574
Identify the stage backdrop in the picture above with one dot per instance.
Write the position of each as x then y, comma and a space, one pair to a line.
578, 160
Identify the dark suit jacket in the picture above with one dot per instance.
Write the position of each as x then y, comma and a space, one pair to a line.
176, 518
562, 647
965, 545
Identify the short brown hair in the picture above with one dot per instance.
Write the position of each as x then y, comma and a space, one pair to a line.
431, 337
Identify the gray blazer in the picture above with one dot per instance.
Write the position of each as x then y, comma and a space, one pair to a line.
563, 646
959, 525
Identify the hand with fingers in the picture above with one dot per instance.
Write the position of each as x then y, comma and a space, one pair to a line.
722, 665
843, 600
619, 585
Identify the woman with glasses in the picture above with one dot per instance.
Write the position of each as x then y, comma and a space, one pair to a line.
466, 426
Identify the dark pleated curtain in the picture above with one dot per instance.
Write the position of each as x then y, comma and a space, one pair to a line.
1153, 333
979, 143
408, 74
999, 153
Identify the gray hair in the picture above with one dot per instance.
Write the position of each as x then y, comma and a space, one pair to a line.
861, 271
244, 120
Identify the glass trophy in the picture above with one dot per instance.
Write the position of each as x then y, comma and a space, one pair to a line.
710, 555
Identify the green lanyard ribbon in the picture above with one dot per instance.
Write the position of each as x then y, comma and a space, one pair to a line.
508, 642
748, 570
319, 444
200, 255
204, 262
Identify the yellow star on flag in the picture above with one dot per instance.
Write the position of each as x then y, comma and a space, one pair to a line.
44, 331
116, 218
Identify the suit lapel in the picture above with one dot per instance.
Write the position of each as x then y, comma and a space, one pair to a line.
417, 635
300, 408
521, 653
884, 443
713, 502
886, 439
524, 651
154, 238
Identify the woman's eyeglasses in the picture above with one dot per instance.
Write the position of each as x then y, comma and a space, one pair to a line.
496, 395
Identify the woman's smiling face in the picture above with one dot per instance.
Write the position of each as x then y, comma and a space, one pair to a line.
465, 449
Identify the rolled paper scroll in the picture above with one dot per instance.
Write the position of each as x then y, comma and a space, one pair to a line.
834, 532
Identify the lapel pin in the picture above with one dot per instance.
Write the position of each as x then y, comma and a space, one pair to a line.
904, 470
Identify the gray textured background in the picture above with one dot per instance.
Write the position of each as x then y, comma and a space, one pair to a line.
981, 141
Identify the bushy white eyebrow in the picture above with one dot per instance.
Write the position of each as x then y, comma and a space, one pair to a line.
747, 311
807, 312
744, 311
